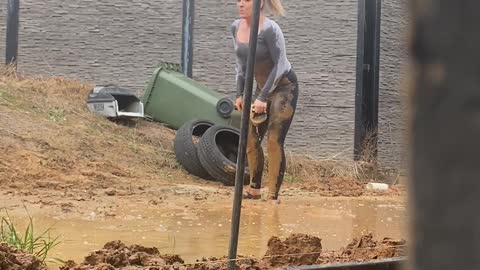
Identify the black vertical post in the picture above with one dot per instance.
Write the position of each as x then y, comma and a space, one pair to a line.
11, 49
187, 36
367, 79
445, 110
247, 100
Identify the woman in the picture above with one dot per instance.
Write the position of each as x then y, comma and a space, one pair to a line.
276, 94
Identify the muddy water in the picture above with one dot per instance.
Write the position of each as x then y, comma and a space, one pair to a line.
203, 230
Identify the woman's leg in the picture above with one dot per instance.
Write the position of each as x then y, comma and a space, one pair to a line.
255, 155
255, 158
281, 112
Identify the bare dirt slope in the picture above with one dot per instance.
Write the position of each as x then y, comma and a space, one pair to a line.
50, 140
53, 145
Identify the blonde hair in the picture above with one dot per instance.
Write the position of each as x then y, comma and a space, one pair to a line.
274, 7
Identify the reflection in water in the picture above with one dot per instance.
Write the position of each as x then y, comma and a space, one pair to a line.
204, 232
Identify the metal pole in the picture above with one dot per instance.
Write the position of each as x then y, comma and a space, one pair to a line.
366, 97
187, 37
11, 48
247, 101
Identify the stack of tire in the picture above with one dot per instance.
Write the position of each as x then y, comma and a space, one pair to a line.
209, 151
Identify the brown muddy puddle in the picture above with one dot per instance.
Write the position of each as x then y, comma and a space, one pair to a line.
204, 230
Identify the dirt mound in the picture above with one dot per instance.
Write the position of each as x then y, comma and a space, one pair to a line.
336, 186
295, 250
13, 259
116, 255
366, 249
280, 252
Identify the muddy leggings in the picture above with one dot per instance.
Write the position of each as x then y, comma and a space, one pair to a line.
281, 107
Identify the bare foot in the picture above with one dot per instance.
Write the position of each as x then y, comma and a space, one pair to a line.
274, 202
252, 193
271, 199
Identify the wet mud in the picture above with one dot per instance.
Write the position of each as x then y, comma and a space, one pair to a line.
295, 250
116, 255
279, 252
365, 248
13, 259
196, 229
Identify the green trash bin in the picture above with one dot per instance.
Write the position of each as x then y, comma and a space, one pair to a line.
173, 99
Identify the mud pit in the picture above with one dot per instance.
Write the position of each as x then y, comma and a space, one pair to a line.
194, 229
97, 181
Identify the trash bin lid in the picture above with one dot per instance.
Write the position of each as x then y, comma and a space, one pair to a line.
114, 90
96, 96
111, 90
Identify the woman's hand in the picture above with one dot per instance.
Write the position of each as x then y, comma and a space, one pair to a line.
239, 104
260, 106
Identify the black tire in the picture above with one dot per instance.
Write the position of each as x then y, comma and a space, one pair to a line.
185, 146
218, 150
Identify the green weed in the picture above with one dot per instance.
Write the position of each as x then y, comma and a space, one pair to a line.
6, 98
38, 245
56, 114
291, 178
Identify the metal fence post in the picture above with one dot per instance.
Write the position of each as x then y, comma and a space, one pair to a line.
367, 78
247, 100
187, 36
11, 48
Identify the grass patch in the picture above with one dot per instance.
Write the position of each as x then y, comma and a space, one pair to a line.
292, 179
6, 98
57, 114
132, 141
300, 167
29, 241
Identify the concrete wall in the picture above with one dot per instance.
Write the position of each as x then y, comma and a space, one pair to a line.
121, 41
392, 96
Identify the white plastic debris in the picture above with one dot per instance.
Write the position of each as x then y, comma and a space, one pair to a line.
377, 186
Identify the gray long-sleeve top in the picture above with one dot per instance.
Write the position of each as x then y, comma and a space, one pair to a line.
271, 62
